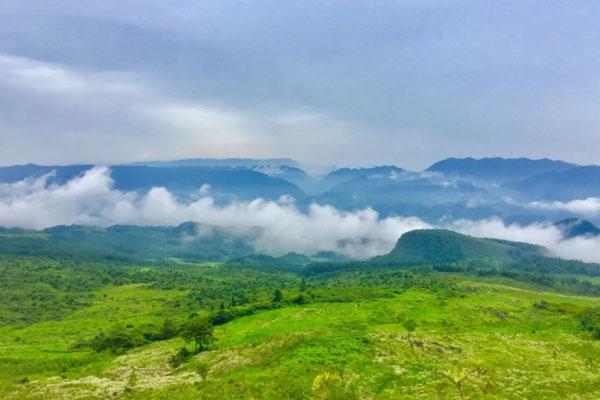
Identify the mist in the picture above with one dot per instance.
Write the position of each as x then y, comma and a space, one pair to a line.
91, 199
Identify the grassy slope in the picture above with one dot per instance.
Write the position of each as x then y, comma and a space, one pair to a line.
306, 351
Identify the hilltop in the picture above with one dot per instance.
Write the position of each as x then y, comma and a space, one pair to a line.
433, 246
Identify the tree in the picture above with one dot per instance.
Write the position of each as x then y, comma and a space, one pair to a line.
303, 285
410, 325
202, 369
277, 296
200, 331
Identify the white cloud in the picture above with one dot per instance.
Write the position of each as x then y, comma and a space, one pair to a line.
542, 234
91, 199
547, 235
589, 207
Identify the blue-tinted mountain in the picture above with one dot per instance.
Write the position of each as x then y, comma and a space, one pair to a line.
291, 174
400, 196
339, 176
226, 184
497, 170
575, 183
61, 174
575, 227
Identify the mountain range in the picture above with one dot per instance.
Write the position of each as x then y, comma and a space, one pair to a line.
451, 188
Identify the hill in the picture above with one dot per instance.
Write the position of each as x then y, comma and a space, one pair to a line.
497, 169
188, 241
434, 246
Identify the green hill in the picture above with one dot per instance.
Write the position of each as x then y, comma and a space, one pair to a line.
188, 241
435, 246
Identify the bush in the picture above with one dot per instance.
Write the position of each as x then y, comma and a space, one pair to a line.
180, 357
168, 329
117, 341
589, 320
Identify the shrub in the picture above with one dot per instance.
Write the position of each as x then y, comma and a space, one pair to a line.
116, 341
180, 357
589, 320
168, 329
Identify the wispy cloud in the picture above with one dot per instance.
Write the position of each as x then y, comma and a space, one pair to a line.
589, 207
543, 234
87, 112
29, 74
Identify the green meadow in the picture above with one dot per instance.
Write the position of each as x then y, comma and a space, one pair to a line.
389, 334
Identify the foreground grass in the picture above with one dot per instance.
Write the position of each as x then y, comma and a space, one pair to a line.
481, 341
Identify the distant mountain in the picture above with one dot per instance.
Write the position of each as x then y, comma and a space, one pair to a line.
575, 183
291, 174
224, 162
402, 196
189, 241
61, 174
342, 175
283, 168
497, 170
574, 227
225, 184
435, 246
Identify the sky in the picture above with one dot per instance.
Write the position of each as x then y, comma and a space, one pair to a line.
332, 82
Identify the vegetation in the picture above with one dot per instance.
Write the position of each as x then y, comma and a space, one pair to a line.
85, 327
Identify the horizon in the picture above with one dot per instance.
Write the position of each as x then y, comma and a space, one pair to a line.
305, 167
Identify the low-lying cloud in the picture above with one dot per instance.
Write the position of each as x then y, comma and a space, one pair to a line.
92, 199
543, 234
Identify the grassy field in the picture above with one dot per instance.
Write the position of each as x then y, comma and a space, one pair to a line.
478, 340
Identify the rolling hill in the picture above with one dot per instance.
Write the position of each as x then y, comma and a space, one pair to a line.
188, 241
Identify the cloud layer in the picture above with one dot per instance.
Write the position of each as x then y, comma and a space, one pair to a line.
91, 199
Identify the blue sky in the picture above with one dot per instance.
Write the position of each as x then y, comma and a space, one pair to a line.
325, 82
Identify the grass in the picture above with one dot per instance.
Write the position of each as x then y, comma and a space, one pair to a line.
479, 341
